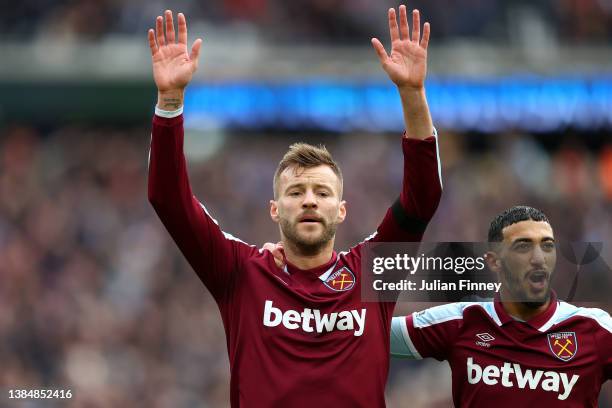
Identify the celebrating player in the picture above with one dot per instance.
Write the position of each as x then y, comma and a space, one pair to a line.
297, 336
525, 348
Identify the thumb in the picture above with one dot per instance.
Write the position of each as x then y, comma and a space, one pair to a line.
195, 51
380, 51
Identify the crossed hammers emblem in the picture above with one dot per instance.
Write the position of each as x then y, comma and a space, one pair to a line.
343, 281
564, 347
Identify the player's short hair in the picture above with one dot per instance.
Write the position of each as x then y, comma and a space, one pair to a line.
305, 156
511, 216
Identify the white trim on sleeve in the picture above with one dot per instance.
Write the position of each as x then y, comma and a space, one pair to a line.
168, 114
566, 310
435, 135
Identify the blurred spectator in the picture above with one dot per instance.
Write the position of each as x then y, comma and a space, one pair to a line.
585, 21
300, 21
605, 172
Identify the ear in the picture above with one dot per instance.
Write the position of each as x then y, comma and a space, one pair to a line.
274, 211
341, 212
493, 262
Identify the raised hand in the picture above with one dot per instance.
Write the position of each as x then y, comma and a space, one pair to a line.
173, 66
407, 63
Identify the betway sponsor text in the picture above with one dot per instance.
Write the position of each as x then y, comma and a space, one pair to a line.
513, 375
312, 320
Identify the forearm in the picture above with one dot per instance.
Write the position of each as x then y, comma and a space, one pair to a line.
171, 196
417, 118
422, 184
407, 219
168, 179
169, 187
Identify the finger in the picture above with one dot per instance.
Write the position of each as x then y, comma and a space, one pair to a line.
195, 51
380, 50
159, 30
416, 26
425, 39
169, 27
152, 44
278, 259
393, 30
182, 29
278, 254
403, 22
268, 246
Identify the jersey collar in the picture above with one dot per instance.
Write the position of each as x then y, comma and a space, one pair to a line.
318, 271
536, 321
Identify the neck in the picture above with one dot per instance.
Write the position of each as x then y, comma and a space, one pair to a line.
306, 260
519, 309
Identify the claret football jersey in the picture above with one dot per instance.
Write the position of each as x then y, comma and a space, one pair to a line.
559, 358
295, 338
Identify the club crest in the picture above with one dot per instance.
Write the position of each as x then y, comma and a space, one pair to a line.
563, 345
341, 280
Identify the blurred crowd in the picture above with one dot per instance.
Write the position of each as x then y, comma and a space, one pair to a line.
306, 21
95, 297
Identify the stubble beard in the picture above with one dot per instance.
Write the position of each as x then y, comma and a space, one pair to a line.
520, 294
303, 245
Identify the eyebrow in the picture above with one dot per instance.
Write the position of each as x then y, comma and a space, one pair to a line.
529, 240
301, 185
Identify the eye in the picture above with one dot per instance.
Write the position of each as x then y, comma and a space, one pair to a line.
548, 245
323, 194
522, 246
294, 193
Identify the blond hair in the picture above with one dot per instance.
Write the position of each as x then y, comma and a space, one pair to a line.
305, 156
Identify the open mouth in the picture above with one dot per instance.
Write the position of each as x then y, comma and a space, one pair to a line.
538, 280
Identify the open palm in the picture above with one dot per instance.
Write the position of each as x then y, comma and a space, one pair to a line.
407, 63
173, 67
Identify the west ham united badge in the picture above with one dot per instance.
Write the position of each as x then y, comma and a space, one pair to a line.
341, 280
564, 345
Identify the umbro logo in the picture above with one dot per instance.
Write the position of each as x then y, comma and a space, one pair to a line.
484, 339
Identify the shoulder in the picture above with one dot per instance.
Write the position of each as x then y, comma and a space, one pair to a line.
452, 311
567, 311
355, 250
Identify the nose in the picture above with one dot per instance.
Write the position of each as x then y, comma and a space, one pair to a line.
310, 200
537, 257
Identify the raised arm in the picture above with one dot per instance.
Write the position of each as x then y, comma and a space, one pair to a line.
212, 253
406, 66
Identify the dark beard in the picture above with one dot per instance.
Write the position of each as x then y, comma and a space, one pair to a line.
306, 247
536, 305
518, 293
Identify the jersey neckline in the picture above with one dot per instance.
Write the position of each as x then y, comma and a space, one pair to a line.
316, 272
536, 321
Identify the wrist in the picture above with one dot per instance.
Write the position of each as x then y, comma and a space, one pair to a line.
411, 91
170, 100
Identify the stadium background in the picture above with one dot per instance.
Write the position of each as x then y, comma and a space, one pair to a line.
94, 295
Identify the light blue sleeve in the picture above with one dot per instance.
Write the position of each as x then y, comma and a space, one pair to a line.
399, 346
